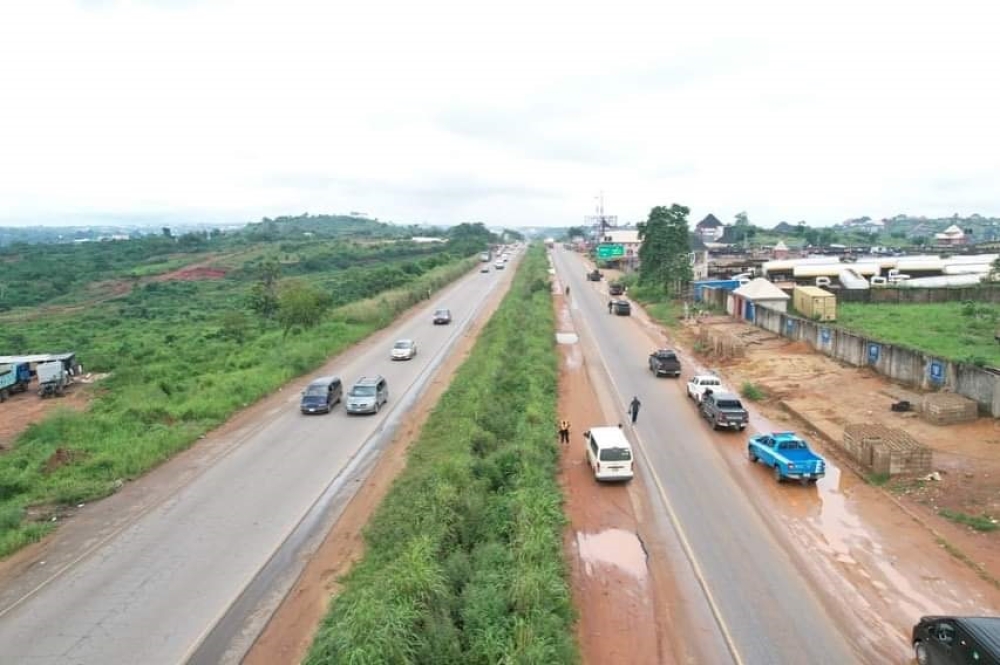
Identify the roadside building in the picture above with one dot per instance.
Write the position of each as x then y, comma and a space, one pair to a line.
744, 301
710, 229
950, 237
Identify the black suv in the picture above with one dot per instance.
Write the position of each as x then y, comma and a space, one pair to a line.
622, 308
616, 289
664, 362
940, 640
724, 410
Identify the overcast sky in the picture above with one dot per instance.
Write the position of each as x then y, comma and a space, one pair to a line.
511, 113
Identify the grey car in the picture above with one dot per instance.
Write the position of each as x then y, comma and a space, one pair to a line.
367, 395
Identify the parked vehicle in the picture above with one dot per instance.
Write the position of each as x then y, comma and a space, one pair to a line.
404, 349
621, 307
664, 362
788, 455
949, 640
484, 257
442, 317
367, 395
609, 453
52, 379
321, 395
616, 289
485, 268
14, 378
498, 265
594, 275
701, 383
724, 410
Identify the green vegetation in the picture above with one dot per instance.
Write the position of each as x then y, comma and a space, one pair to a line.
182, 356
962, 332
464, 557
752, 391
978, 522
879, 480
664, 254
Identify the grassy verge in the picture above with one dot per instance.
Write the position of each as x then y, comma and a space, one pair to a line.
962, 332
175, 377
464, 559
977, 522
663, 310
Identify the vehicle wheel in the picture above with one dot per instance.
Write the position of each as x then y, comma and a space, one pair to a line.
742, 427
777, 473
752, 455
920, 650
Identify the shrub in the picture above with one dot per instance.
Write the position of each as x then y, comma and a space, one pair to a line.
752, 392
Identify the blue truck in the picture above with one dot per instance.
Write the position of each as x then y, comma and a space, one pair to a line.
14, 378
788, 455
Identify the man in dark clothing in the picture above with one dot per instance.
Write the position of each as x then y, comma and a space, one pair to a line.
564, 431
610, 305
633, 409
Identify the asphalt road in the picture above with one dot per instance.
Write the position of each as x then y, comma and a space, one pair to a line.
765, 610
153, 589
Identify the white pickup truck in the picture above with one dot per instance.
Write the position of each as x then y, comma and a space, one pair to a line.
697, 386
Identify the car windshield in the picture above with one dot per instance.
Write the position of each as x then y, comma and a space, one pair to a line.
616, 455
730, 404
363, 391
442, 312
405, 344
316, 391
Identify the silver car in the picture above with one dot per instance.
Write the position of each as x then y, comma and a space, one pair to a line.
404, 349
367, 395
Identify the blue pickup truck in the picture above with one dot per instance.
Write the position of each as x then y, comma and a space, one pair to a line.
788, 455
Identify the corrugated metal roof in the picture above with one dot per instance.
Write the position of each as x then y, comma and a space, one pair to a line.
36, 358
761, 289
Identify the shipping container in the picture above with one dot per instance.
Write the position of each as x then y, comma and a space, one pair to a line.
814, 303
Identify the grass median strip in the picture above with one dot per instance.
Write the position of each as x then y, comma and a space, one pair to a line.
464, 557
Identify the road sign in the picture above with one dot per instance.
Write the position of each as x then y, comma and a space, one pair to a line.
610, 251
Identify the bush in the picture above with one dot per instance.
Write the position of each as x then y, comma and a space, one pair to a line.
752, 392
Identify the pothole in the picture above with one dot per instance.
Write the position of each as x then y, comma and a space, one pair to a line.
612, 547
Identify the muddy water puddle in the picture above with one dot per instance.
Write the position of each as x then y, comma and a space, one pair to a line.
612, 547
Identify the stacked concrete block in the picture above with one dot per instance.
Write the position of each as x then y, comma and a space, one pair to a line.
948, 408
885, 450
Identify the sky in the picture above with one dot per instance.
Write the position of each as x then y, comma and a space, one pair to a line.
511, 113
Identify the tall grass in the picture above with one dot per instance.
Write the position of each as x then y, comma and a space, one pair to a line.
464, 559
174, 378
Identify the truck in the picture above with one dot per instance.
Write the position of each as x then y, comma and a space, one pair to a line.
484, 257
723, 411
702, 383
14, 378
52, 379
594, 275
664, 362
788, 455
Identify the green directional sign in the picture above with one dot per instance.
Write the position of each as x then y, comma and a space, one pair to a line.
610, 251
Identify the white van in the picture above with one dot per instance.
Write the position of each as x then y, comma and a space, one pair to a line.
609, 453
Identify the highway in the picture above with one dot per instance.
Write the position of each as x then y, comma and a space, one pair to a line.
765, 611
159, 583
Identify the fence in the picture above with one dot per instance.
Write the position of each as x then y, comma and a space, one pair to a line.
907, 366
920, 295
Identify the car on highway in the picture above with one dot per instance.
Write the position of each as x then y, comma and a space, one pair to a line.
442, 317
788, 454
621, 307
484, 268
664, 362
616, 289
321, 395
702, 383
403, 349
723, 411
367, 395
955, 640
609, 453
498, 265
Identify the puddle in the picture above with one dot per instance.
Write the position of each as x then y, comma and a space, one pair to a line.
567, 338
612, 547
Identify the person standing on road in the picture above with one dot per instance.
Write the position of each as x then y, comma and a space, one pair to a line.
611, 303
564, 432
633, 408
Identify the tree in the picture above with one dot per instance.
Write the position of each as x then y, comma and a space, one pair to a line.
300, 304
263, 297
741, 232
664, 254
576, 232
